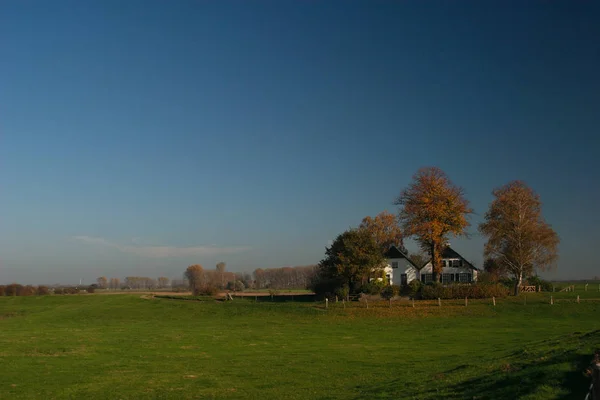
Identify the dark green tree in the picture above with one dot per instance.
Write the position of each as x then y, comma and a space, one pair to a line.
353, 257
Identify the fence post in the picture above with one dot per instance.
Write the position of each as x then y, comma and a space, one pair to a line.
413, 303
577, 299
367, 302
494, 301
539, 288
344, 303
439, 302
390, 303
336, 299
586, 285
551, 300
466, 302
326, 302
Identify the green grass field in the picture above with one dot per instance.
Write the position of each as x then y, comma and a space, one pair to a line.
127, 347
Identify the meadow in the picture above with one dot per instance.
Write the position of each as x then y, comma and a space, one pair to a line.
133, 347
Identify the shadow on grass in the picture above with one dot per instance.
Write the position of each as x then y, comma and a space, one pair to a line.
555, 372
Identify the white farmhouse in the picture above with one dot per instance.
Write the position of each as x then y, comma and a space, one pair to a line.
401, 270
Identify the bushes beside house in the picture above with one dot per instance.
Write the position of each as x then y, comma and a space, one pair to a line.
473, 291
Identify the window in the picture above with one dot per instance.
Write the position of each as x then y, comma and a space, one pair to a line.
403, 279
456, 263
395, 264
456, 278
427, 278
460, 263
466, 277
446, 278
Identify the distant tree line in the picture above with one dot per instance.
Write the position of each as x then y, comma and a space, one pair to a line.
284, 278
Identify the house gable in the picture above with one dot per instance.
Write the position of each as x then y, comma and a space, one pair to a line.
403, 270
456, 267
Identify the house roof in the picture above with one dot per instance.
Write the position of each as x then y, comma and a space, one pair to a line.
449, 252
395, 252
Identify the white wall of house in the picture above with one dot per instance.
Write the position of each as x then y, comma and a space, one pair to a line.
455, 269
400, 266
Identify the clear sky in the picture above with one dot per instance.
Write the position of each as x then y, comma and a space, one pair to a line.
138, 137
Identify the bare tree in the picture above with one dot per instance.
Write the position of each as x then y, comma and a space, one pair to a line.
114, 283
102, 282
221, 271
518, 236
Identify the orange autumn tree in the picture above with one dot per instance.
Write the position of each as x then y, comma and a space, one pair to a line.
519, 238
432, 209
195, 276
385, 231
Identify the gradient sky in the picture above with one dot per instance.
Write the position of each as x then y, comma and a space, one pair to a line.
138, 137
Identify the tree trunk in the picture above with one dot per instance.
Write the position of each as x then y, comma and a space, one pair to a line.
518, 281
434, 263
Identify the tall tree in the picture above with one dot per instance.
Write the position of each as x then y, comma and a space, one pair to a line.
352, 257
195, 276
102, 282
114, 283
517, 234
432, 209
385, 230
221, 271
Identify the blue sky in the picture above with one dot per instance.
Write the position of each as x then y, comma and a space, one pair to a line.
139, 137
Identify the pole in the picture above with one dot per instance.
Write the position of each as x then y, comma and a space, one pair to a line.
413, 303
326, 302
551, 300
577, 299
466, 302
494, 301
439, 302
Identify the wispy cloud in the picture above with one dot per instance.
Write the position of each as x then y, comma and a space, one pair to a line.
163, 251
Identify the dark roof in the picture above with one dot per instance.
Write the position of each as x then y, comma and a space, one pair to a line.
449, 252
395, 252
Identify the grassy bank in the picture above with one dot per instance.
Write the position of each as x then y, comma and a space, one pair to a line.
128, 347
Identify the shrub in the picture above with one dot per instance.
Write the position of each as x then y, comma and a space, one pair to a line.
70, 290
2, 290
537, 281
59, 291
343, 292
373, 287
414, 287
239, 286
26, 291
390, 291
325, 287
42, 291
12, 289
91, 289
473, 291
